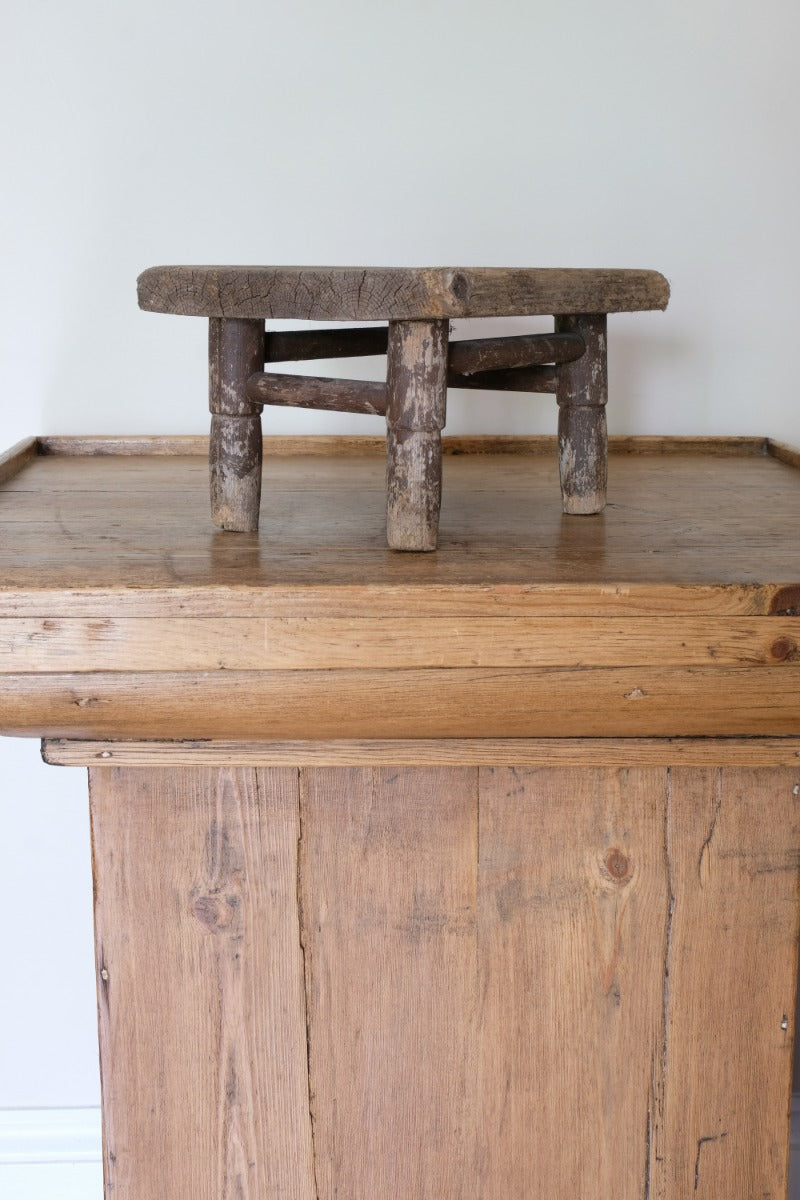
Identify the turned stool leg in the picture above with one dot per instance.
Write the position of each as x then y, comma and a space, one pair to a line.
582, 392
415, 417
235, 352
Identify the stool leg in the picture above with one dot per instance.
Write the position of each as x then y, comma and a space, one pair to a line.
235, 351
415, 417
582, 392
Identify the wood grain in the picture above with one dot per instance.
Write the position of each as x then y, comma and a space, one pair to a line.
200, 985
505, 353
722, 1075
444, 982
235, 351
582, 395
416, 394
389, 870
530, 752
683, 533
387, 293
319, 643
467, 702
309, 391
573, 907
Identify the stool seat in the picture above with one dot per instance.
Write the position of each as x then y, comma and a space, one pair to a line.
396, 293
417, 303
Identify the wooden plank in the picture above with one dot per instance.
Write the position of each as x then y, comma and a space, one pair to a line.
200, 985
319, 643
722, 1077
546, 702
381, 293
388, 869
541, 752
573, 904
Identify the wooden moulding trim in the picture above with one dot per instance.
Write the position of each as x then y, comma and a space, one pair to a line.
189, 445
409, 704
388, 600
783, 452
541, 752
13, 460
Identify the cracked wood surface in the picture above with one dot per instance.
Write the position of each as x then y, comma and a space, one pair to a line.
395, 293
446, 981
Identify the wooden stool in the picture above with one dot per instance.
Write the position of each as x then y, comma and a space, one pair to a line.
418, 305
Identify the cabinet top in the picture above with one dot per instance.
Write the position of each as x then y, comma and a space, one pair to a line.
112, 525
674, 613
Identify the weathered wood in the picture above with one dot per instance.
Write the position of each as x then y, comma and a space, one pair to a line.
235, 351
518, 379
295, 345
582, 394
505, 353
731, 844
109, 536
638, 947
397, 294
452, 752
432, 702
309, 391
200, 985
389, 880
416, 386
578, 974
37, 644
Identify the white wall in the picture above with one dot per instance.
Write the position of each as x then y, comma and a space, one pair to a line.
572, 134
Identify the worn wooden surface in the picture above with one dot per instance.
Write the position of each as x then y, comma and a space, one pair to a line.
446, 981
582, 395
310, 391
392, 293
674, 613
201, 985
235, 351
504, 353
416, 393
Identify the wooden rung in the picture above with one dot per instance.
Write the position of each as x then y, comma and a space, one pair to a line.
518, 379
295, 345
312, 391
504, 353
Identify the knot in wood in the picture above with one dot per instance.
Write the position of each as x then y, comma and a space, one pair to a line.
617, 865
783, 649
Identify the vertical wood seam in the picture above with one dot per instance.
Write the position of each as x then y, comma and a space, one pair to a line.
306, 972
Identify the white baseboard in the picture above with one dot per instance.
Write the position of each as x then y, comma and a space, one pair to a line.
50, 1154
50, 1135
